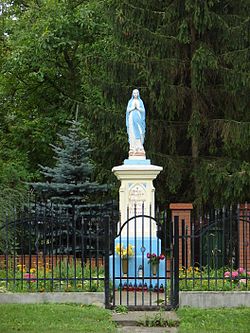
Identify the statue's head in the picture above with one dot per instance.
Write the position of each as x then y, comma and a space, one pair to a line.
135, 93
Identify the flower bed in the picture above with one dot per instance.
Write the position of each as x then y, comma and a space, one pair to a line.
207, 279
65, 276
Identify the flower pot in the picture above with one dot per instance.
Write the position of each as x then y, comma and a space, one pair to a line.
154, 268
125, 266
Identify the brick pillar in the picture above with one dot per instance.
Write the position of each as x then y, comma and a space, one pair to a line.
183, 210
244, 236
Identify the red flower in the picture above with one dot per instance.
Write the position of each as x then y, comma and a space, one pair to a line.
154, 259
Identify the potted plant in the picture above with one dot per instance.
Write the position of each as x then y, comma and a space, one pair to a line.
124, 254
154, 260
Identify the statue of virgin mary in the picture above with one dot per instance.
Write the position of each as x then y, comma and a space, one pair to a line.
135, 122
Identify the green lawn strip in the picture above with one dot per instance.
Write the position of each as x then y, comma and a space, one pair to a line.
229, 320
54, 318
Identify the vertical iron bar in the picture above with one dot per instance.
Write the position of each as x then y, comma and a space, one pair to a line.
172, 261
223, 245
192, 242
230, 243
53, 219
183, 243
164, 225
176, 262
158, 268
75, 215
14, 250
7, 250
44, 247
150, 251
106, 280
90, 252
143, 252
135, 266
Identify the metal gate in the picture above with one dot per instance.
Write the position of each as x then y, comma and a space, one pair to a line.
142, 263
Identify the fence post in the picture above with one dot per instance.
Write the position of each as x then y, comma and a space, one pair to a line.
106, 267
244, 236
183, 211
176, 263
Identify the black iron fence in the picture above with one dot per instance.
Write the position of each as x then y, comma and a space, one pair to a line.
215, 250
47, 248
141, 262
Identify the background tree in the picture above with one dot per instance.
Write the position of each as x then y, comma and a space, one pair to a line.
45, 73
188, 58
190, 61
72, 193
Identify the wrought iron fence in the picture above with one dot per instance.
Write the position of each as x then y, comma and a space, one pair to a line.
46, 248
215, 250
141, 262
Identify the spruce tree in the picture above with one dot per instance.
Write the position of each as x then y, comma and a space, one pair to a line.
72, 196
190, 60
69, 181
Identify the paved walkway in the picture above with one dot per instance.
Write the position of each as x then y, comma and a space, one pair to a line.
141, 298
128, 322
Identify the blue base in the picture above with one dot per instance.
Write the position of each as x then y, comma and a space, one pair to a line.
150, 245
137, 162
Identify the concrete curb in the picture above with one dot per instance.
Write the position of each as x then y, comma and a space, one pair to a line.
198, 299
93, 298
214, 299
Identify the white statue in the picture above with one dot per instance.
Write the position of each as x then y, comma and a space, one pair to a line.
135, 122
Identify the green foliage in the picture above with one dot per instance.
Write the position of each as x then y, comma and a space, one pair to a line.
190, 61
121, 309
64, 318
69, 182
12, 201
159, 320
188, 58
213, 320
45, 72
65, 276
209, 279
74, 196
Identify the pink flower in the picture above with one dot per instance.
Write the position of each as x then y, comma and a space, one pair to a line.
148, 255
243, 281
161, 257
153, 255
227, 274
29, 276
241, 270
248, 273
235, 274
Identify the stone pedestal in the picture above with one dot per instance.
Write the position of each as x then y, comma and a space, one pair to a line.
137, 226
137, 193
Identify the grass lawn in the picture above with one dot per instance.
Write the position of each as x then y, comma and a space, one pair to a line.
69, 318
56, 318
235, 320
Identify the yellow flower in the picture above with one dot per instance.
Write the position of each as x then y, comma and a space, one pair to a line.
119, 248
32, 270
123, 252
21, 268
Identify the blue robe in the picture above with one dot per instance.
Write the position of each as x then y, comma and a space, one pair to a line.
138, 119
